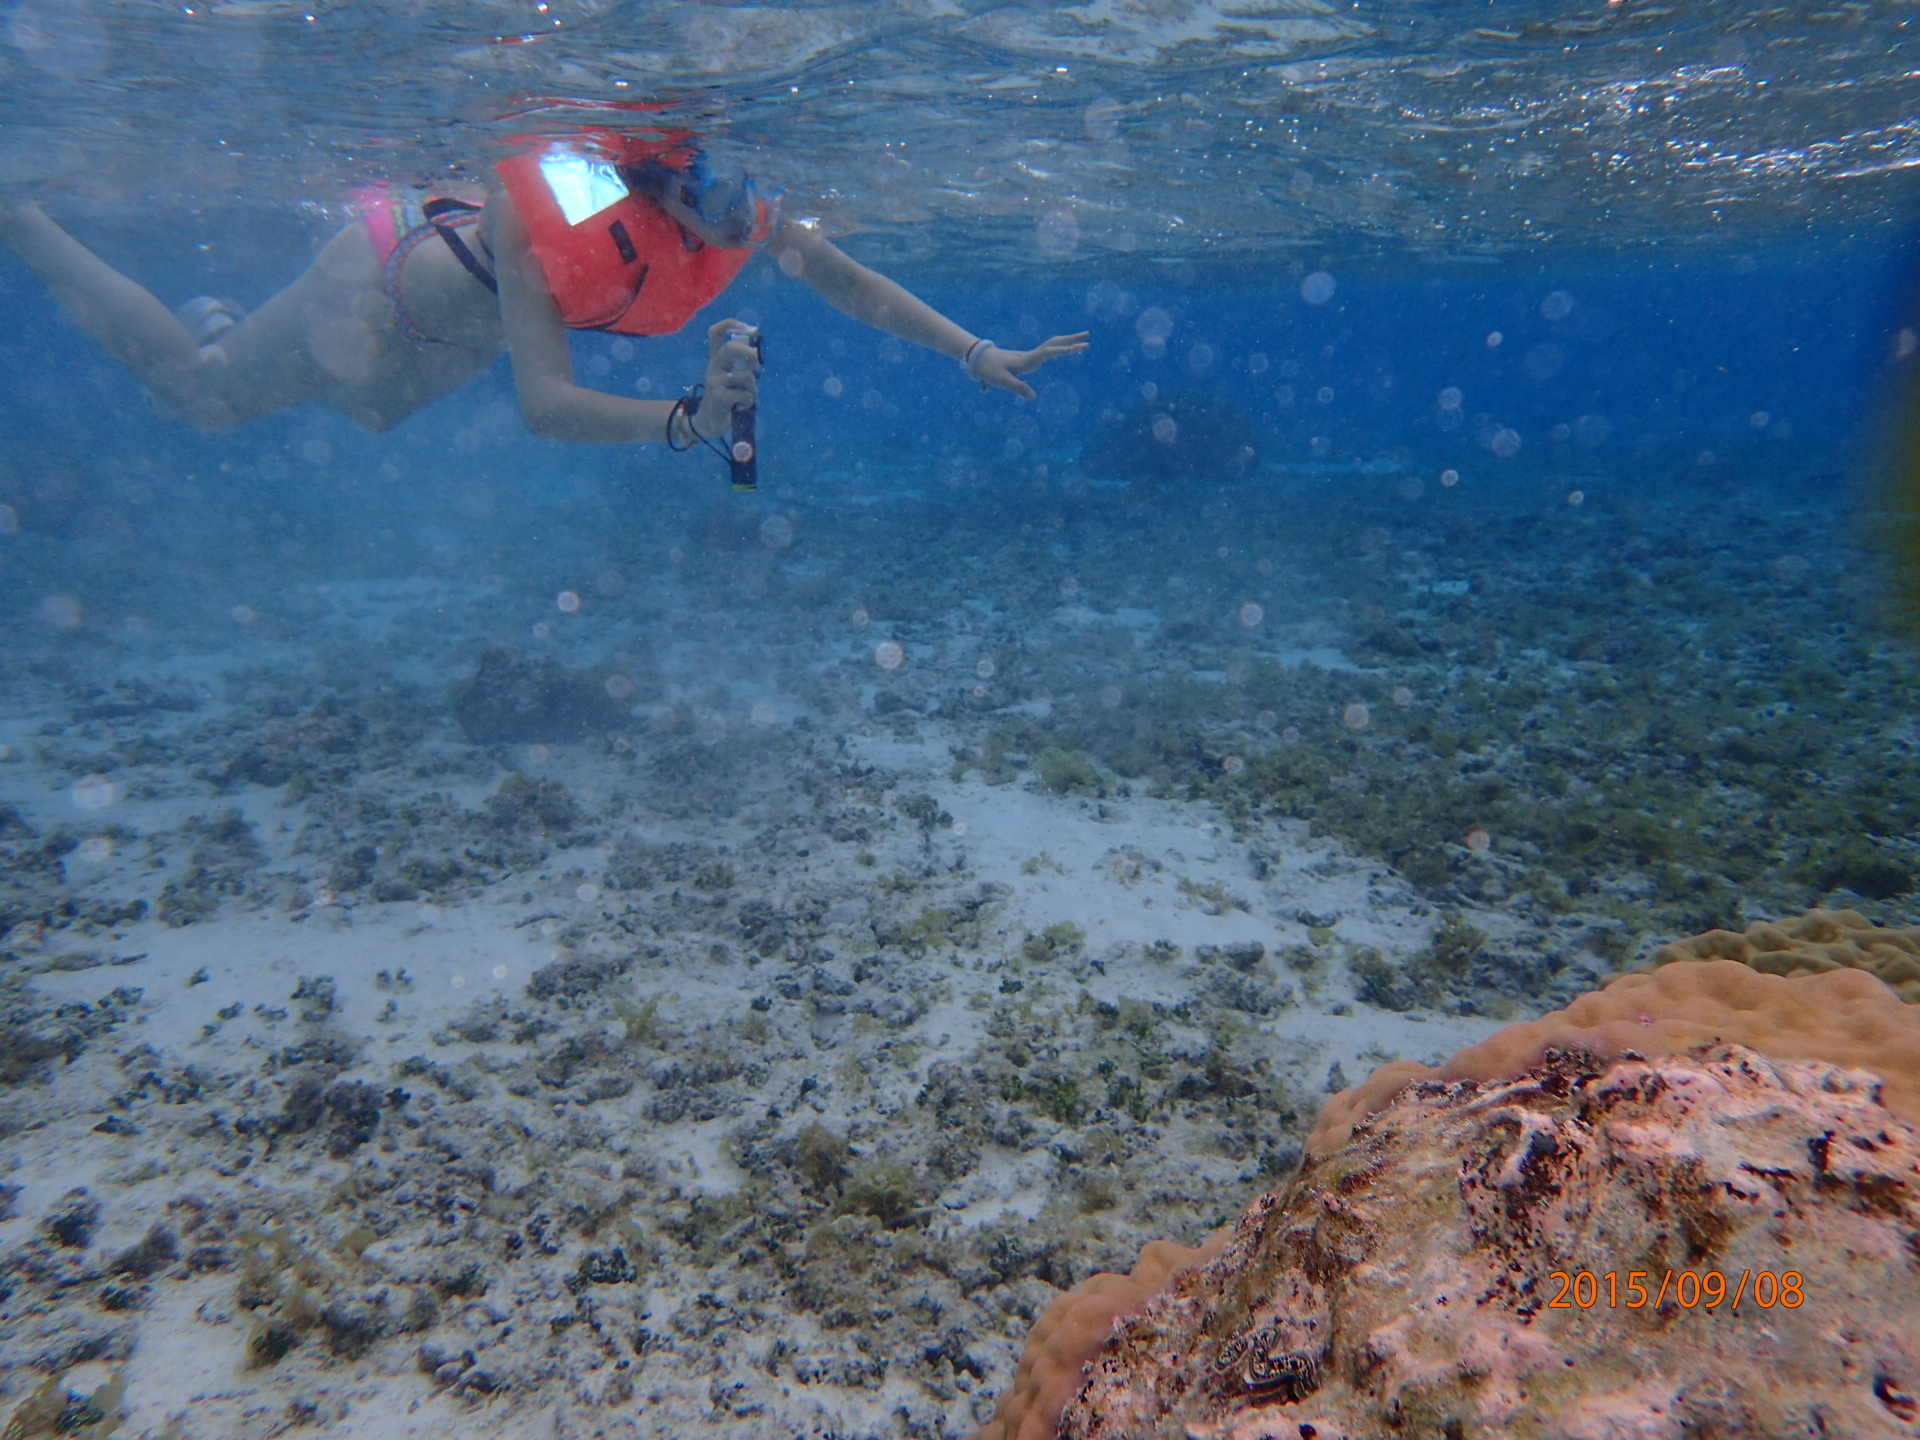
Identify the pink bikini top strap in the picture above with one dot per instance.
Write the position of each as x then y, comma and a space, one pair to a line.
376, 206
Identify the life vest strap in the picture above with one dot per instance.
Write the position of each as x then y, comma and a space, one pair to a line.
436, 212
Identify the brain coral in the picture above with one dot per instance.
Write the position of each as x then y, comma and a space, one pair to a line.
1817, 941
1071, 1331
1844, 1016
1840, 1017
1718, 1244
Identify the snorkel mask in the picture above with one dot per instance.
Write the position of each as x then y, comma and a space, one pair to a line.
742, 208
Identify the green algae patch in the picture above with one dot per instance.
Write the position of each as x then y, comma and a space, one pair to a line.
1067, 772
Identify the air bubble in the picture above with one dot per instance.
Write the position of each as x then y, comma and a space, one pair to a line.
95, 849
889, 655
1505, 443
1165, 429
1356, 716
1576, 498
1318, 288
1494, 339
499, 972
860, 618
985, 669
776, 532
1257, 363
1251, 614
1759, 420
1153, 325
1451, 398
568, 601
539, 754
765, 713
542, 630
1234, 765
587, 891
1557, 305
95, 792
1479, 841
621, 687
833, 387
1290, 735
244, 614
1324, 395
1402, 696
1112, 697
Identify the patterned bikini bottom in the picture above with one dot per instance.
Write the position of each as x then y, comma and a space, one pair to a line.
398, 223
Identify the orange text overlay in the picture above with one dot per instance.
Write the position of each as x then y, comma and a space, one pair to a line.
1689, 1289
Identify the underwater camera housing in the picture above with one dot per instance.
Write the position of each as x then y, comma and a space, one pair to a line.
743, 457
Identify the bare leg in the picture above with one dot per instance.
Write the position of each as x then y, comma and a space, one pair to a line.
258, 367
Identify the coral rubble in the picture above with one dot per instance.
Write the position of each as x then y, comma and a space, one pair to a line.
1717, 1243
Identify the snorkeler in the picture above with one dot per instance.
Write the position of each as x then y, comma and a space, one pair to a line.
624, 234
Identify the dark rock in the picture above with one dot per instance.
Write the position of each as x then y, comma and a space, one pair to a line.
355, 1108
604, 1086
1242, 956
577, 976
153, 1252
534, 809
270, 1343
71, 1222
352, 1329
512, 697
1180, 435
317, 992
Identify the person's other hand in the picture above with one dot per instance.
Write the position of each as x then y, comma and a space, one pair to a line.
1003, 368
731, 367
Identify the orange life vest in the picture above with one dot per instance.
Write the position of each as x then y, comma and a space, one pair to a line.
624, 266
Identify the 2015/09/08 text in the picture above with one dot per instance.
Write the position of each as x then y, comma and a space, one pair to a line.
1704, 1289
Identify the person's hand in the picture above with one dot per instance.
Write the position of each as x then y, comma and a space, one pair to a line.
731, 368
1003, 368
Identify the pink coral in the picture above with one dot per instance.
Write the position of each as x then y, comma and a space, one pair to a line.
1071, 1331
1428, 1278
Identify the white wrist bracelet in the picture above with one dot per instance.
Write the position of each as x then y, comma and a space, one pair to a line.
974, 351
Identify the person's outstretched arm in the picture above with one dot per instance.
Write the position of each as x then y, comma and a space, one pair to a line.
851, 287
556, 408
